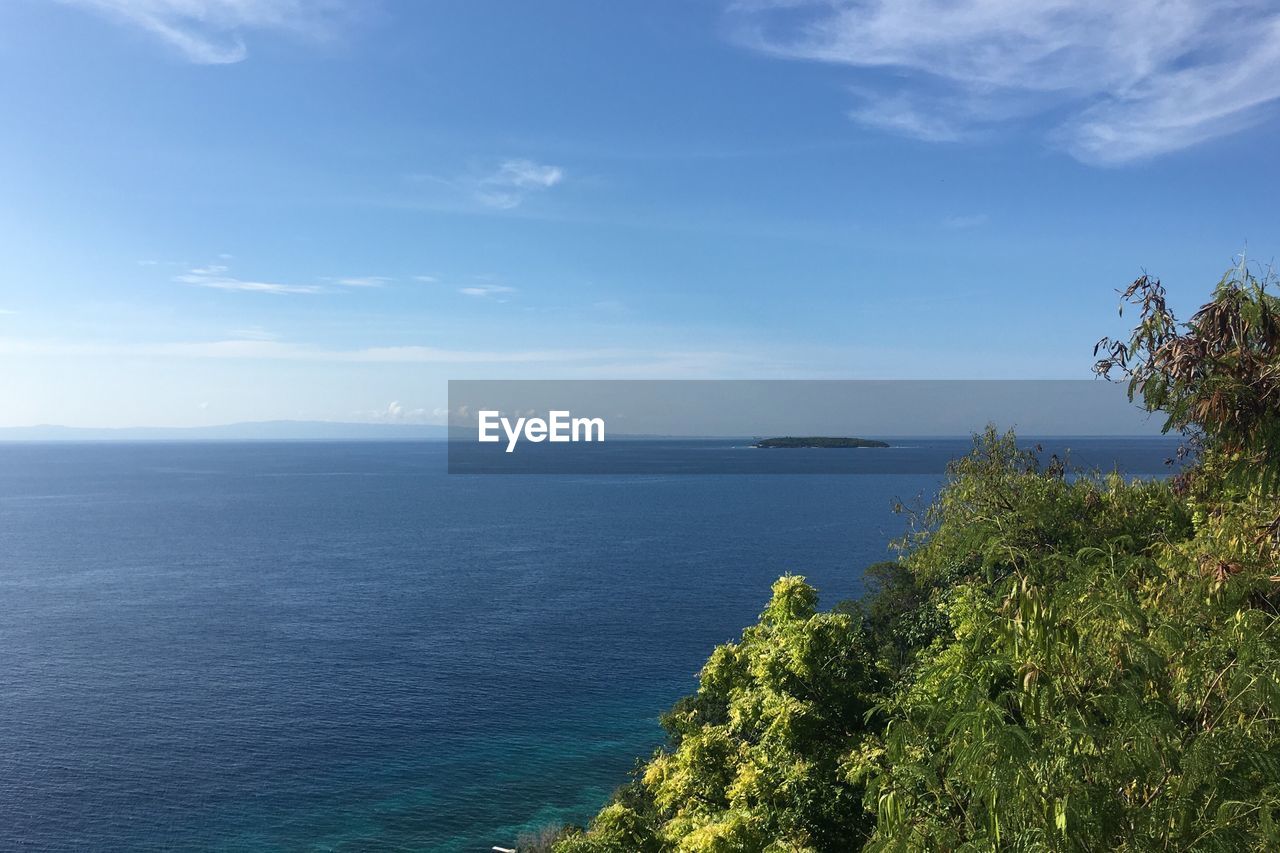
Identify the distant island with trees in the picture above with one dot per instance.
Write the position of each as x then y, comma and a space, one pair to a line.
818, 441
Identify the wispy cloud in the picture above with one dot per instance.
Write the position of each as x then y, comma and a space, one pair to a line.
253, 333
514, 180
505, 187
742, 361
218, 277
398, 413
426, 279
1135, 79
899, 115
212, 32
215, 276
486, 291
248, 348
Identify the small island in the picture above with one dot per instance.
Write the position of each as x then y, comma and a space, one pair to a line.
819, 441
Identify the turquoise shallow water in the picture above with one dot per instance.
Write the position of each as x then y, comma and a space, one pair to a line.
329, 646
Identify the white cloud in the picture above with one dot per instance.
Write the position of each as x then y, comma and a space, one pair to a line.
212, 32
747, 360
526, 174
426, 279
504, 188
253, 333
484, 291
899, 115
216, 277
514, 180
397, 412
1134, 79
283, 351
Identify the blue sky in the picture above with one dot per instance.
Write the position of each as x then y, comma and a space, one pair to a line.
225, 210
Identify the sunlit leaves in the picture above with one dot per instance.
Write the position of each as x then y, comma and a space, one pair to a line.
1059, 660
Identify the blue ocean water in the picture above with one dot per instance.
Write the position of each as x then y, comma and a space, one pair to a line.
338, 646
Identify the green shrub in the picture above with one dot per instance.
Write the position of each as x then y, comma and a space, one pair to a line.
1057, 661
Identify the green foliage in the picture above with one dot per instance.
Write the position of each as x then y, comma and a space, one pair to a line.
1217, 376
756, 757
1057, 661
901, 613
1099, 690
616, 827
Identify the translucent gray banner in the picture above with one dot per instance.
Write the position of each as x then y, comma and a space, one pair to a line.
786, 426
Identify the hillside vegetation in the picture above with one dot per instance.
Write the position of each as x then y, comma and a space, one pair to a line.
1057, 660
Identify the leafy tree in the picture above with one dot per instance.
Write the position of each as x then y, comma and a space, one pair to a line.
1216, 376
756, 755
1058, 660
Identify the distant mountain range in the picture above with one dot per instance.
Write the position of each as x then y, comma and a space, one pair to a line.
250, 431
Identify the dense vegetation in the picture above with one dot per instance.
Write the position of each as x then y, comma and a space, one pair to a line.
1056, 661
819, 441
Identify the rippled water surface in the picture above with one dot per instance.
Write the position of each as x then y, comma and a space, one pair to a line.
338, 646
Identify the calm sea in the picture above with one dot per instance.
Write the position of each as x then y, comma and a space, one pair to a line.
338, 646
